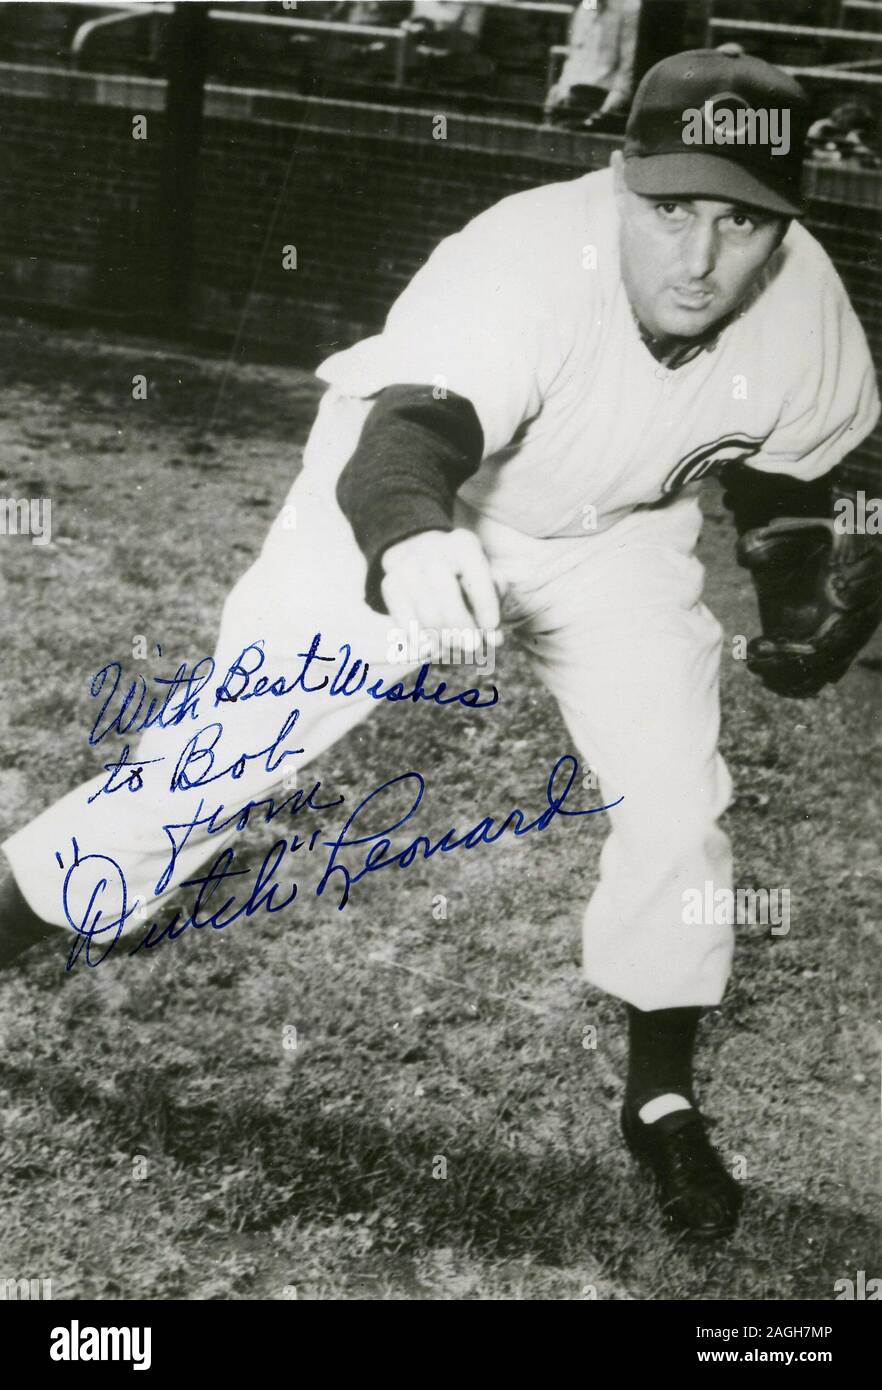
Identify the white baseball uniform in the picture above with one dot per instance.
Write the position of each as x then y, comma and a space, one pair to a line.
585, 503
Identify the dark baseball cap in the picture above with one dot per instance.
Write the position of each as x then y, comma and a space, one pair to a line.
713, 124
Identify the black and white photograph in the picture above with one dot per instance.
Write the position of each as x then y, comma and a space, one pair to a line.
441, 577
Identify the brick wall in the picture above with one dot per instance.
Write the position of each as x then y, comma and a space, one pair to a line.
363, 192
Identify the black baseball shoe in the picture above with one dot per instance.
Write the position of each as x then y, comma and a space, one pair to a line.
697, 1196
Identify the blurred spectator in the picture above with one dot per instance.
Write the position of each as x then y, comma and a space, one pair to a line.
447, 38
849, 135
438, 18
369, 60
447, 17
380, 12
598, 74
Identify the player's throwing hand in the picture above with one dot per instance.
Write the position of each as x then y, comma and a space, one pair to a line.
441, 580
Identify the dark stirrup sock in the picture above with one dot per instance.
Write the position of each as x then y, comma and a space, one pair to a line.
20, 927
661, 1044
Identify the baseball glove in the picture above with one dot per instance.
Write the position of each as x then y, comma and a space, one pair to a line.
820, 600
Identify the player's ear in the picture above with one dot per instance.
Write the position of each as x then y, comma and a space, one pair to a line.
783, 229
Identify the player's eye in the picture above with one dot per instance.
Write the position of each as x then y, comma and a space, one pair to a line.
671, 212
742, 222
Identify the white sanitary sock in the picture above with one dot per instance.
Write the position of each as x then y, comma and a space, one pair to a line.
662, 1105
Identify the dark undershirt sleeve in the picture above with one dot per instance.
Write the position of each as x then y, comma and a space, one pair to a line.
755, 498
413, 455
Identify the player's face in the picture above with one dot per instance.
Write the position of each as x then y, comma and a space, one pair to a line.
688, 262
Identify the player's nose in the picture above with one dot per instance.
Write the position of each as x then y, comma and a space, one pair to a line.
700, 252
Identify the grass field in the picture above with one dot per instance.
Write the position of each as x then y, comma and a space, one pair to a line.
157, 1138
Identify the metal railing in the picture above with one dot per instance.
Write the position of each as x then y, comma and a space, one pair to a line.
401, 38
837, 77
795, 31
528, 7
122, 14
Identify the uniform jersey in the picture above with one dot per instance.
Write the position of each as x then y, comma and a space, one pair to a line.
524, 312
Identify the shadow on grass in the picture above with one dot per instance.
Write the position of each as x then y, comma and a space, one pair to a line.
258, 1165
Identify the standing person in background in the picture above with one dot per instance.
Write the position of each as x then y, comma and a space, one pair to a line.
598, 74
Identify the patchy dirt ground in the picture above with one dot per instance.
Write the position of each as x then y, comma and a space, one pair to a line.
157, 1138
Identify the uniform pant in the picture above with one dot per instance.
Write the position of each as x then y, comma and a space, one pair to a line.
613, 624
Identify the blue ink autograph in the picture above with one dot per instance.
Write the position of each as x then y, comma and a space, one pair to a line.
215, 905
238, 821
134, 709
195, 765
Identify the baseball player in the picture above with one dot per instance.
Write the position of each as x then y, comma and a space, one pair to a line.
521, 446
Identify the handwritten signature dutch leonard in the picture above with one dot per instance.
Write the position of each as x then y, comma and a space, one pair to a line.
358, 849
